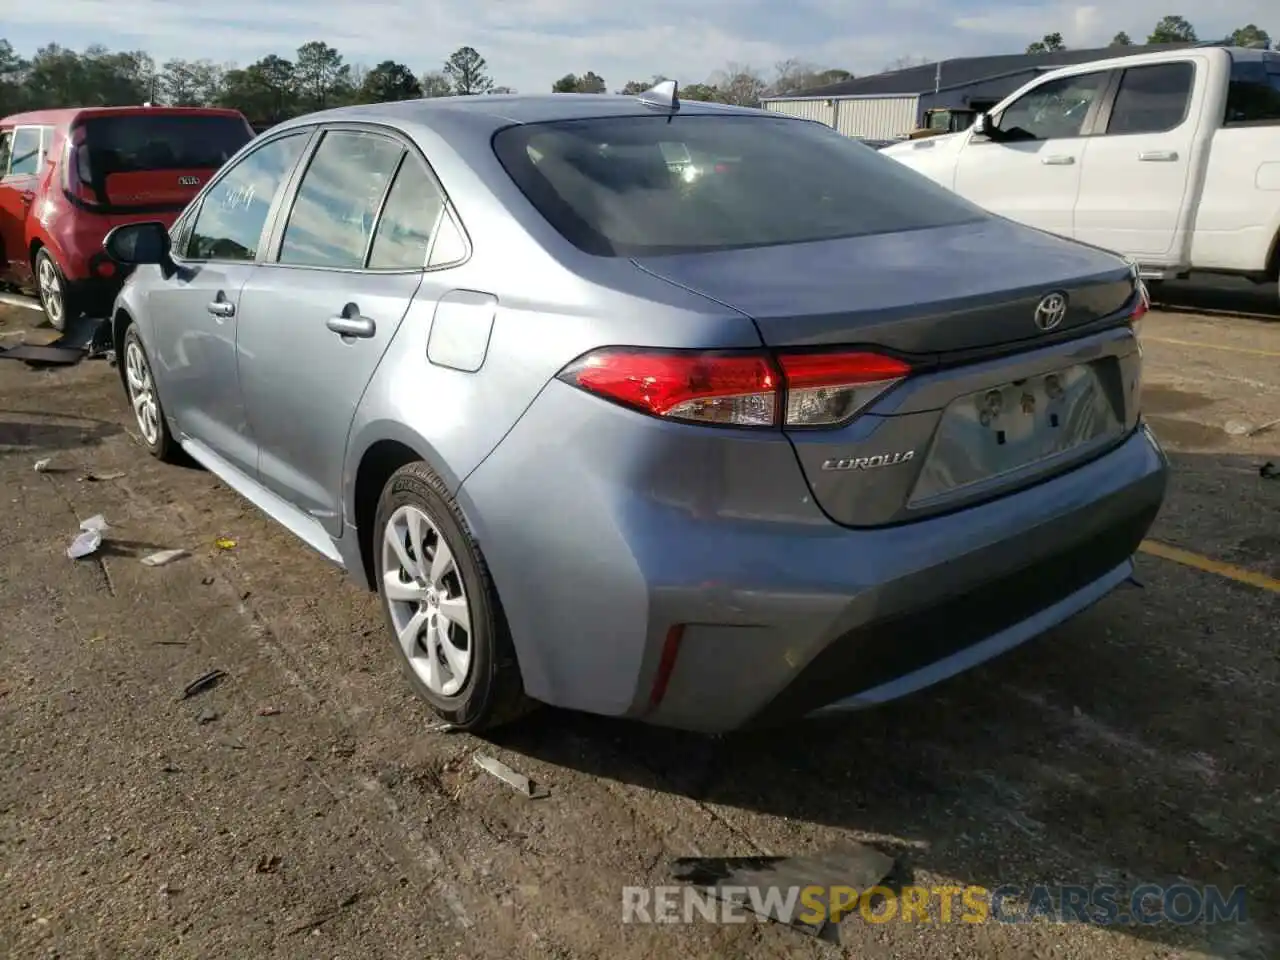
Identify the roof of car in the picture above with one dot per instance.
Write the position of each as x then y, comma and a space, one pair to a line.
63, 115
493, 111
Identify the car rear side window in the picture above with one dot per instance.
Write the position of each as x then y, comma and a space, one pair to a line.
337, 204
234, 211
653, 185
25, 159
1152, 99
143, 143
408, 220
1253, 95
6, 147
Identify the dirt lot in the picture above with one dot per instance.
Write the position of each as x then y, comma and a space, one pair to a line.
305, 806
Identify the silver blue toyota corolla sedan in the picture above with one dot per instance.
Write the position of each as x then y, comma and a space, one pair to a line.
676, 411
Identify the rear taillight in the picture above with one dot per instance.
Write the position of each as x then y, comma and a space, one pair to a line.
1141, 309
739, 389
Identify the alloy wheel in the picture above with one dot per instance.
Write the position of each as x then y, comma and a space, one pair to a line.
142, 392
427, 601
51, 296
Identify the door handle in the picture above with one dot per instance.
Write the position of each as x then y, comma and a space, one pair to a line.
1159, 156
351, 326
222, 308
1058, 161
28, 197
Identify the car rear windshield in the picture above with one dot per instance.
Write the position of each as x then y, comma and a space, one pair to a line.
646, 186
137, 143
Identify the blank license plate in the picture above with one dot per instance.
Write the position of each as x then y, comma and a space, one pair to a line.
1010, 427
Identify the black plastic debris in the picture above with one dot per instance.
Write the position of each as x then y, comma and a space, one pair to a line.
201, 684
84, 338
852, 868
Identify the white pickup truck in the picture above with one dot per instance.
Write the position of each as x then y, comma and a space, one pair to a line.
1170, 158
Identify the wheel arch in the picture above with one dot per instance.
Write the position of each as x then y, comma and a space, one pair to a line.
121, 321
384, 448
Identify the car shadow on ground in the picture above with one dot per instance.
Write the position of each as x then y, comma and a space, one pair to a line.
1134, 744
1220, 295
29, 431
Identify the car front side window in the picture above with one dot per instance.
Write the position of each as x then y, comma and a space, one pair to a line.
1053, 110
234, 211
6, 146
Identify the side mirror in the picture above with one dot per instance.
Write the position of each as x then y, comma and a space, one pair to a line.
982, 125
134, 244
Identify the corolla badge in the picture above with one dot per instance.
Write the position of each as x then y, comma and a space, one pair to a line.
1051, 311
869, 463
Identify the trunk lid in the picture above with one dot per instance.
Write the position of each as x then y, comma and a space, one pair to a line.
995, 403
922, 292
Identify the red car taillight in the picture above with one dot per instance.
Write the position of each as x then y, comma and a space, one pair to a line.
739, 389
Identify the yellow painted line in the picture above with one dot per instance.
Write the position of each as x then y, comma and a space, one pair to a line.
1210, 346
1188, 559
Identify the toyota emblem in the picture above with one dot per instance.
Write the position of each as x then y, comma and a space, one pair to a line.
1051, 311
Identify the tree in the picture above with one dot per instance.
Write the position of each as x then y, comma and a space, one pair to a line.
1250, 36
12, 72
389, 81
589, 82
1173, 29
320, 74
191, 83
633, 88
906, 63
436, 84
1121, 39
739, 84
263, 91
795, 76
706, 92
467, 72
1047, 44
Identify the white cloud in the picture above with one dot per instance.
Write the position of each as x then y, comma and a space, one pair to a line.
528, 43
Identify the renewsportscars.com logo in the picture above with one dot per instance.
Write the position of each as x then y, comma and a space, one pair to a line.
814, 906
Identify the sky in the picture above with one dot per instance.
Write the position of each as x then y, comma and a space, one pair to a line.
530, 43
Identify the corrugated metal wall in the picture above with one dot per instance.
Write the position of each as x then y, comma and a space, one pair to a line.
819, 110
877, 117
873, 117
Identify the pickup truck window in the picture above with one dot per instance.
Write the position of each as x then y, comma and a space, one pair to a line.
1053, 110
1152, 99
1253, 96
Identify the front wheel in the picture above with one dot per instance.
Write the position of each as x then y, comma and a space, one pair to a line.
441, 606
140, 385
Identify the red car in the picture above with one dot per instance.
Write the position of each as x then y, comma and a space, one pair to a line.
68, 176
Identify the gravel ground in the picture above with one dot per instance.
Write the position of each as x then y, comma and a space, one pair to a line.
305, 806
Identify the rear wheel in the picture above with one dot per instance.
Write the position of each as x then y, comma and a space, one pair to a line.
441, 606
56, 297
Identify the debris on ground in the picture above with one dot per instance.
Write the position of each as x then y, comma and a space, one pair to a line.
1264, 427
1269, 471
224, 543
89, 539
101, 477
42, 466
267, 864
269, 712
1238, 428
855, 868
206, 715
518, 781
201, 684
161, 557
441, 728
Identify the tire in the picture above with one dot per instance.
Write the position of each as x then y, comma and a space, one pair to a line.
57, 297
144, 400
487, 692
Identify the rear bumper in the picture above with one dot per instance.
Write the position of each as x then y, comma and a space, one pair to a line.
784, 613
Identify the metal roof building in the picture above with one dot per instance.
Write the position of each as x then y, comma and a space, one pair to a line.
889, 105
